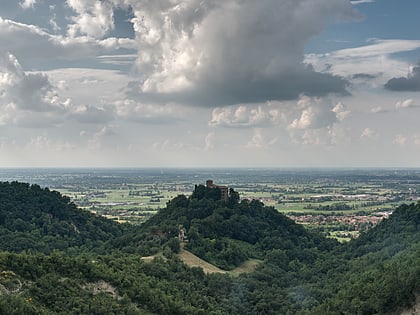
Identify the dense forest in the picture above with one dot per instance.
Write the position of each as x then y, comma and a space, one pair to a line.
40, 220
58, 259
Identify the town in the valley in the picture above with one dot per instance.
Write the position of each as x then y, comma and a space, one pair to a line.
339, 203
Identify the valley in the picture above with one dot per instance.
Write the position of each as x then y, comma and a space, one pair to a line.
340, 203
200, 254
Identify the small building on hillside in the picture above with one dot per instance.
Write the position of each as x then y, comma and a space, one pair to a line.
223, 189
182, 234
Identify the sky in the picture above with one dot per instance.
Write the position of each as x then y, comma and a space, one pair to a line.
209, 83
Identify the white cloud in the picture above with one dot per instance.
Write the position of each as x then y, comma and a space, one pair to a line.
97, 87
150, 113
96, 141
400, 140
378, 47
117, 59
375, 59
257, 140
340, 111
26, 4
339, 135
90, 114
31, 100
315, 114
240, 116
355, 2
409, 83
377, 109
32, 43
369, 133
22, 37
313, 137
209, 53
53, 19
94, 18
27, 91
306, 113
404, 104
67, 85
7, 113
308, 121
209, 141
305, 121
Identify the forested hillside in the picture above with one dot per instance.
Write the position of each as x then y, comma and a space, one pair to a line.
228, 233
58, 259
37, 219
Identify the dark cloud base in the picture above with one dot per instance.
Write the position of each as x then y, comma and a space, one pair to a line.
364, 76
411, 83
215, 94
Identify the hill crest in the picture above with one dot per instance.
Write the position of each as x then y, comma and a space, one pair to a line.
37, 219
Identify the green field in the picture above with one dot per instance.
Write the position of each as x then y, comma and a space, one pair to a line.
136, 196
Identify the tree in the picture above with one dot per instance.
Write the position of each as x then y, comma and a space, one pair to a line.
233, 197
202, 192
174, 245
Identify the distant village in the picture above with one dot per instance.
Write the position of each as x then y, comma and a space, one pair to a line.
343, 211
350, 225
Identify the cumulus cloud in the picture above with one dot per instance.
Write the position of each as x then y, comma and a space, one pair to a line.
94, 18
240, 116
409, 83
340, 111
7, 113
315, 114
196, 53
378, 110
26, 4
257, 140
313, 137
31, 100
306, 113
369, 133
306, 119
97, 139
89, 114
218, 53
404, 104
26, 90
19, 37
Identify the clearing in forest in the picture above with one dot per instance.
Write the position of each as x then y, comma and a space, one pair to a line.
192, 260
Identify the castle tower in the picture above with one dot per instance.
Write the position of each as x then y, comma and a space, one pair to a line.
223, 189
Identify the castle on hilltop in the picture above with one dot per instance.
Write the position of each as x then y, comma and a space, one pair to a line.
223, 189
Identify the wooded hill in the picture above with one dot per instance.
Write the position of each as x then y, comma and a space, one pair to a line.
37, 219
58, 259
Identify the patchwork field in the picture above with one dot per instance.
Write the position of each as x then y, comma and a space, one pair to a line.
340, 203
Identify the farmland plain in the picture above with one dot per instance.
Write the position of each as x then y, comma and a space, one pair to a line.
339, 202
